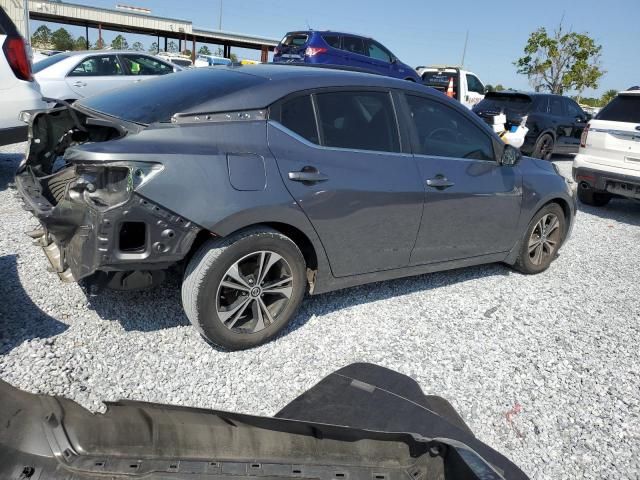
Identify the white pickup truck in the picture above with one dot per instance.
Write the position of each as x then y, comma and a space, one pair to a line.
459, 84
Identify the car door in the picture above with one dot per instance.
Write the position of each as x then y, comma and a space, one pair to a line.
578, 121
475, 91
341, 158
472, 203
138, 67
96, 74
562, 123
355, 52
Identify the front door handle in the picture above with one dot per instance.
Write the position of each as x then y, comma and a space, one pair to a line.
308, 175
439, 182
79, 84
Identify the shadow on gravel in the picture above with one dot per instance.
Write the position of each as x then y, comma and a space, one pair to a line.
145, 310
374, 292
619, 209
20, 318
8, 166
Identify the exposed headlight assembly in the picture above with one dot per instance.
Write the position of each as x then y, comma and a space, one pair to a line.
104, 186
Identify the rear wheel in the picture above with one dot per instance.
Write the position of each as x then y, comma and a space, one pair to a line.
241, 291
542, 240
589, 196
544, 147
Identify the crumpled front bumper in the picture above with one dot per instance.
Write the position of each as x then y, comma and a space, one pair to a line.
80, 240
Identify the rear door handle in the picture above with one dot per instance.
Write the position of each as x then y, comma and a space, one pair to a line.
308, 175
439, 182
79, 84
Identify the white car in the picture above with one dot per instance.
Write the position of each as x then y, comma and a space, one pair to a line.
608, 162
211, 60
18, 90
460, 84
70, 76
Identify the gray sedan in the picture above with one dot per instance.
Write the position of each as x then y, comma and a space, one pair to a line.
70, 76
265, 182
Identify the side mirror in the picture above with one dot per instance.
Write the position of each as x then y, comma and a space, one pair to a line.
510, 156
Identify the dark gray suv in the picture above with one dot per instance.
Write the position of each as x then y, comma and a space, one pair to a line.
265, 182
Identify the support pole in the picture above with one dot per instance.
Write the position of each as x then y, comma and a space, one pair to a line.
86, 35
165, 44
158, 44
193, 49
100, 42
264, 56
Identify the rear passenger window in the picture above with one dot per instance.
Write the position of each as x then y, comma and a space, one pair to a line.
332, 40
297, 115
556, 106
358, 120
444, 132
353, 44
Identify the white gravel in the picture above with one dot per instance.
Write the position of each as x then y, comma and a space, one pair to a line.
558, 350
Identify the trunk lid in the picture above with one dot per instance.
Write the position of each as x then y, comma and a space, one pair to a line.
614, 135
293, 46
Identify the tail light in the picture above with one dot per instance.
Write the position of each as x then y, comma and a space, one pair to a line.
583, 137
16, 53
313, 51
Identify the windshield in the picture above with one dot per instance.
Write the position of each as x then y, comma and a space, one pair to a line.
623, 108
158, 99
505, 102
47, 62
295, 39
181, 62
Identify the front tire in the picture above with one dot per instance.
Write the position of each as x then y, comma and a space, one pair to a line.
543, 238
239, 292
589, 196
543, 148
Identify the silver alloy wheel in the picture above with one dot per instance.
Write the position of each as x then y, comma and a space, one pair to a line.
254, 291
544, 239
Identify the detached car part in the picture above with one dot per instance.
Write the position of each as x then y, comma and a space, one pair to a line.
362, 422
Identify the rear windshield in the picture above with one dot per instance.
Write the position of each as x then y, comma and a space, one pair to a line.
505, 102
181, 62
295, 39
623, 108
158, 99
47, 62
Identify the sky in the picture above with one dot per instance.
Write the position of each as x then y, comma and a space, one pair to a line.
424, 32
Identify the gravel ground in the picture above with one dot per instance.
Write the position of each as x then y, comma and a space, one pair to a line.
558, 350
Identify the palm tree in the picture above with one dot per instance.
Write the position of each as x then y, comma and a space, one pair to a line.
608, 96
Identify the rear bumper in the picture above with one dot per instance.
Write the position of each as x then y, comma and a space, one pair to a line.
80, 240
611, 182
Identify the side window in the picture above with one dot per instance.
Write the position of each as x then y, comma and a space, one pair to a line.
474, 84
377, 51
444, 132
555, 104
332, 40
143, 65
542, 104
353, 44
297, 115
358, 120
103, 65
573, 109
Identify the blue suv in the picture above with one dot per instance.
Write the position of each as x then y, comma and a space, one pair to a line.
334, 48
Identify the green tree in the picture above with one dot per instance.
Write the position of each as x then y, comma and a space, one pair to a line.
608, 96
120, 43
232, 56
172, 47
489, 88
499, 88
41, 38
61, 39
80, 43
153, 48
565, 60
137, 46
99, 45
204, 50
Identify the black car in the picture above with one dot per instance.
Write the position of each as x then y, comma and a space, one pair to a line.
555, 122
263, 182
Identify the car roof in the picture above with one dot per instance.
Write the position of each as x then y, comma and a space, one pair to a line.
328, 32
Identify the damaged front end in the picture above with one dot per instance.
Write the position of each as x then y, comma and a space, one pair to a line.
94, 225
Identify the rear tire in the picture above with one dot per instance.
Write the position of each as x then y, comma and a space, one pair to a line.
543, 148
240, 291
589, 196
542, 240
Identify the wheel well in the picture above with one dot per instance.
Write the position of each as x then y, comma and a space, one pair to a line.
565, 208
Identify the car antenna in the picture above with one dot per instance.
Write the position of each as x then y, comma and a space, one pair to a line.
464, 50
